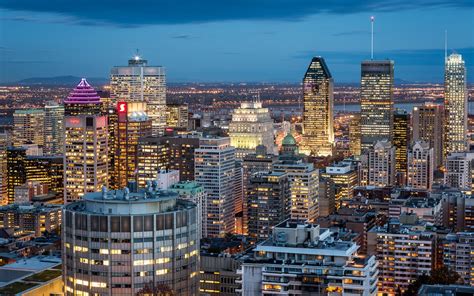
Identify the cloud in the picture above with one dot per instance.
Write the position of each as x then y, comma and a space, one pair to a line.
126, 13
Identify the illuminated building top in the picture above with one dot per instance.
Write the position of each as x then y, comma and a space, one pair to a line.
84, 93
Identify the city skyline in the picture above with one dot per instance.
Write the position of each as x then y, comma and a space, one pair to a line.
238, 46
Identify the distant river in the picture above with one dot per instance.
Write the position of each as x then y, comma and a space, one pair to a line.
404, 106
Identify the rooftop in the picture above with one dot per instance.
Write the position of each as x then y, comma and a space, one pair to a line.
84, 93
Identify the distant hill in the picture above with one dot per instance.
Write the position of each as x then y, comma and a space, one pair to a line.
61, 80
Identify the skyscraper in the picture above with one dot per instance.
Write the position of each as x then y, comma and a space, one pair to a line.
459, 171
28, 127
304, 181
3, 169
251, 126
268, 202
455, 102
153, 155
139, 82
133, 124
401, 142
177, 116
420, 166
318, 101
376, 102
354, 135
53, 129
214, 168
428, 126
85, 143
379, 163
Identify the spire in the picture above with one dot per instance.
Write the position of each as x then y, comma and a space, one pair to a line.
372, 19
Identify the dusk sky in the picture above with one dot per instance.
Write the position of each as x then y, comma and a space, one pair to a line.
223, 41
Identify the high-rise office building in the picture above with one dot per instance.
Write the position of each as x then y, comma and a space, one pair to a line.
459, 171
420, 166
128, 240
139, 82
28, 127
354, 135
268, 202
428, 126
318, 105
379, 163
85, 143
182, 155
214, 168
53, 129
153, 155
133, 123
303, 178
251, 126
376, 102
177, 116
327, 196
260, 161
455, 103
401, 142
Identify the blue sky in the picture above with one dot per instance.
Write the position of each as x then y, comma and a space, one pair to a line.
214, 41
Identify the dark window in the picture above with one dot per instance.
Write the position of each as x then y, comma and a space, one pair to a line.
138, 223
115, 224
103, 224
94, 223
160, 222
89, 121
125, 223
169, 221
148, 223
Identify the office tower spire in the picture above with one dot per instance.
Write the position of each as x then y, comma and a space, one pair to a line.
455, 102
318, 99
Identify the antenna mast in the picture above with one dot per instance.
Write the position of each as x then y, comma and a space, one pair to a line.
445, 45
372, 19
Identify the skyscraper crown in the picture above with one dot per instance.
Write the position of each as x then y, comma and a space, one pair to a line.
84, 93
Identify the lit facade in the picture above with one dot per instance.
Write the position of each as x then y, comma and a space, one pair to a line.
28, 127
458, 255
401, 142
428, 126
304, 181
119, 242
133, 123
152, 157
376, 102
303, 259
345, 179
420, 166
354, 135
3, 169
139, 82
268, 201
379, 165
177, 116
214, 166
251, 126
85, 143
53, 129
455, 102
318, 108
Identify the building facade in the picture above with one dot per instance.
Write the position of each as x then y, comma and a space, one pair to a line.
120, 242
214, 169
28, 127
401, 142
139, 82
455, 102
53, 129
379, 164
251, 125
85, 143
376, 103
458, 255
318, 109
420, 166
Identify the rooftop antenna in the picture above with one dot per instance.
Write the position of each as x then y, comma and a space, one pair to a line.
372, 19
445, 45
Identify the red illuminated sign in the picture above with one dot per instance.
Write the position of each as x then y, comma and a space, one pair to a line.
74, 120
122, 107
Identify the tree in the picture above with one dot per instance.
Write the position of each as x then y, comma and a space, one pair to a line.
438, 276
155, 290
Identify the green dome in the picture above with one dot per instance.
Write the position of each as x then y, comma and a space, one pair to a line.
289, 140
